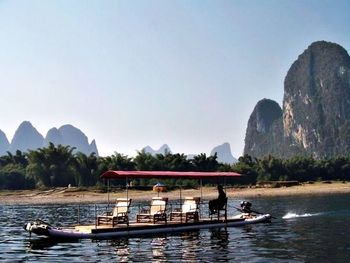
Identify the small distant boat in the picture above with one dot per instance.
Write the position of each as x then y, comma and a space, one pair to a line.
156, 220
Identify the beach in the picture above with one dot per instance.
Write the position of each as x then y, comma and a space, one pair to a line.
75, 195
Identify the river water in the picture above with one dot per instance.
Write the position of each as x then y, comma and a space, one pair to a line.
306, 229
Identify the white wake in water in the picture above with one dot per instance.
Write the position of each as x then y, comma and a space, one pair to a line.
294, 215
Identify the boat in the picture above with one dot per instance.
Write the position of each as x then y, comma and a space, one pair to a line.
116, 224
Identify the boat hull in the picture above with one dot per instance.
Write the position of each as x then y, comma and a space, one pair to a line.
44, 229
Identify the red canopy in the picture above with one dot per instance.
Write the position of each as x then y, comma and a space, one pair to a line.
166, 174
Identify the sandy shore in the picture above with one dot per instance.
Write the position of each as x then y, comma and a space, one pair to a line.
73, 195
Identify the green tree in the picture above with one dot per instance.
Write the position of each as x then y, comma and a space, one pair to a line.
117, 161
120, 161
301, 168
13, 177
270, 168
86, 169
146, 162
18, 158
206, 164
172, 162
52, 166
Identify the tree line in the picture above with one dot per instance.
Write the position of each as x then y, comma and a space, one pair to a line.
297, 168
60, 166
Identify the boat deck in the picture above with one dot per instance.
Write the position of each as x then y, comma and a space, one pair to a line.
89, 228
140, 225
139, 229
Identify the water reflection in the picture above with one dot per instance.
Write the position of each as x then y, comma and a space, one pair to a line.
219, 239
299, 240
190, 246
41, 243
122, 249
158, 249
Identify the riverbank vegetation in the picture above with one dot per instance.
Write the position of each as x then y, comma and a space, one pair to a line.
59, 166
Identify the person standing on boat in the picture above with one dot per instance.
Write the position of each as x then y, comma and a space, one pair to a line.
219, 203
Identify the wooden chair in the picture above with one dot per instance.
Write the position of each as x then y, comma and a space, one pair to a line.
188, 211
222, 208
156, 212
119, 214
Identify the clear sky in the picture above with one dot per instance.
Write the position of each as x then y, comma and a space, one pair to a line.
136, 73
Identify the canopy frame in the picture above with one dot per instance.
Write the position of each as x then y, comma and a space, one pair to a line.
167, 174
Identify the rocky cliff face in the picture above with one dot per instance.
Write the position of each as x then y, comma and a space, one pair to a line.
93, 147
72, 136
316, 104
54, 136
224, 154
26, 138
264, 128
316, 108
4, 143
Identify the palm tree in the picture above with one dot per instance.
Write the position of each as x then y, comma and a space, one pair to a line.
52, 166
145, 161
120, 161
19, 158
206, 164
86, 169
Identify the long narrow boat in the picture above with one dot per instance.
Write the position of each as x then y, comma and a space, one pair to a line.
135, 228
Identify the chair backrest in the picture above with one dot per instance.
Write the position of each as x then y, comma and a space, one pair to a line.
222, 205
191, 204
121, 206
158, 204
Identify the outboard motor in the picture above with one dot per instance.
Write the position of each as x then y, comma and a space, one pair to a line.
246, 207
38, 227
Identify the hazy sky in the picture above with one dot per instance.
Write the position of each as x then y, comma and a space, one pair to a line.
136, 73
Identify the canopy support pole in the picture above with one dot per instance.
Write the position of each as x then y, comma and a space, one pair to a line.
181, 199
127, 187
108, 182
201, 201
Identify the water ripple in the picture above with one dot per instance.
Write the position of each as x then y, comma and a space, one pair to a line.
281, 241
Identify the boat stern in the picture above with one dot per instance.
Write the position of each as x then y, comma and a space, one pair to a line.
37, 227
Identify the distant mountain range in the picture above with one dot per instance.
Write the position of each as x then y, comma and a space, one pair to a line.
162, 150
223, 152
28, 138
